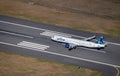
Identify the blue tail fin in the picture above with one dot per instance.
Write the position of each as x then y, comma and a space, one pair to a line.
101, 40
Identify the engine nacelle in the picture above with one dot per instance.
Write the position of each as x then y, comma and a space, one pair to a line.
68, 46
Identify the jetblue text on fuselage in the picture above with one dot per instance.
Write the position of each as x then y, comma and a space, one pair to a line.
60, 39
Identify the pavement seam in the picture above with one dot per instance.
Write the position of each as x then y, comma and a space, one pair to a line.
15, 34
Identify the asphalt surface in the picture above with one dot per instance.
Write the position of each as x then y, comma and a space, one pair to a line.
33, 39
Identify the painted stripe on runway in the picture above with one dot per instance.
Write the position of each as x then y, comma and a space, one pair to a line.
11, 33
21, 25
113, 43
31, 45
68, 56
52, 33
49, 30
94, 50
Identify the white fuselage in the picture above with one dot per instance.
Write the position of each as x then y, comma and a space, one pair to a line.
77, 42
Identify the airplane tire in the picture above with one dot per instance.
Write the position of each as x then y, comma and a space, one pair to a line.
70, 49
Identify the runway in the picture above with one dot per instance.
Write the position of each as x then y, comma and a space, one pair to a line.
33, 39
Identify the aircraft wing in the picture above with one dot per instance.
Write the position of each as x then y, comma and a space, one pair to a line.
89, 38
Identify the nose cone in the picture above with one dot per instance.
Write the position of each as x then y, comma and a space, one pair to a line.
52, 38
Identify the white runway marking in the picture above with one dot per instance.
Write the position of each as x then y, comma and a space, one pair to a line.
30, 45
94, 50
16, 34
21, 25
113, 43
68, 56
52, 33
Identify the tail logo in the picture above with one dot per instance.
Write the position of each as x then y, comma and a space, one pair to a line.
101, 40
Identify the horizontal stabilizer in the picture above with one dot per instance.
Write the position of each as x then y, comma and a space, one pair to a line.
90, 38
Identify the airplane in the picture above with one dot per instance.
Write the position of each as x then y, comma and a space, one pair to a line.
72, 43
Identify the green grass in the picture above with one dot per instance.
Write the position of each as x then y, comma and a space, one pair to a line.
116, 1
18, 65
112, 32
